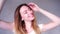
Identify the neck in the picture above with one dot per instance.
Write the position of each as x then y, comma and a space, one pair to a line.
28, 24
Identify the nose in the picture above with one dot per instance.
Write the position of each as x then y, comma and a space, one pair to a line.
30, 13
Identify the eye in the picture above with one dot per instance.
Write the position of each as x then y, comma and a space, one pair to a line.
29, 9
25, 12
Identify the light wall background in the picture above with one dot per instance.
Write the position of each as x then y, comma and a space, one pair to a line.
53, 6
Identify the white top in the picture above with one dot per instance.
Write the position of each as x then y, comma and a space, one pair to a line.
32, 32
40, 26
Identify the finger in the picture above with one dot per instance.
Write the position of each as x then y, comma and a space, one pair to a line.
31, 3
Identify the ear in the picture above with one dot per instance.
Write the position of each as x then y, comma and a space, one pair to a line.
22, 18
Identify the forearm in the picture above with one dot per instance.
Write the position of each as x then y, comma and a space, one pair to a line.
5, 25
51, 16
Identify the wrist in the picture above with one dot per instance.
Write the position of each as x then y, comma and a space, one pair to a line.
39, 9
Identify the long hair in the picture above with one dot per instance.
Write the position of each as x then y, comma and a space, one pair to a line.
19, 25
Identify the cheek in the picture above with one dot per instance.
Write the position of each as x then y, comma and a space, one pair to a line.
24, 16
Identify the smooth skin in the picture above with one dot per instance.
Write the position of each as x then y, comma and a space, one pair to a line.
55, 19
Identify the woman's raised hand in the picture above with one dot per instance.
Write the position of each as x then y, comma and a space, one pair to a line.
34, 6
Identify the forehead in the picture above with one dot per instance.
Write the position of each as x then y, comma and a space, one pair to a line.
23, 8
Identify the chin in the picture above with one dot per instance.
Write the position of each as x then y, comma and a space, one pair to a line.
31, 19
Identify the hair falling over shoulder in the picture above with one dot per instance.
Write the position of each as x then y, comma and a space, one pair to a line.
19, 25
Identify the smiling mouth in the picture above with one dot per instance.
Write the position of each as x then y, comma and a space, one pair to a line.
31, 16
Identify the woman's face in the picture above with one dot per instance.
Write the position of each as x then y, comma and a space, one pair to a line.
26, 13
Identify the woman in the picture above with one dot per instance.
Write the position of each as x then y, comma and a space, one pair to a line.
25, 21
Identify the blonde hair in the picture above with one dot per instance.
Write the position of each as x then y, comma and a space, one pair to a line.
19, 25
